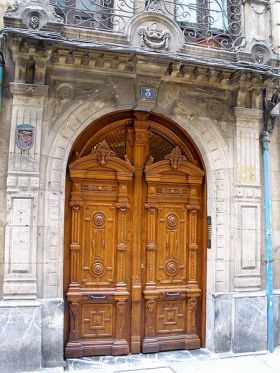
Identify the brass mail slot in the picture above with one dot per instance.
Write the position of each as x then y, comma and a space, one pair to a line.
97, 296
172, 294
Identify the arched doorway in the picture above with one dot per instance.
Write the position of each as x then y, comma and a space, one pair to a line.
135, 238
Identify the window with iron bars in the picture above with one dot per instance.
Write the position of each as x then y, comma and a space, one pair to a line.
212, 23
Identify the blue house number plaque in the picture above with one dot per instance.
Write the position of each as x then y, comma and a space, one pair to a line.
148, 93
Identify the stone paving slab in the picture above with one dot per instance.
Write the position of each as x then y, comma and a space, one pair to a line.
183, 361
148, 370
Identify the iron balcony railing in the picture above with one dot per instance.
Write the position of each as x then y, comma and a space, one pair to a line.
211, 23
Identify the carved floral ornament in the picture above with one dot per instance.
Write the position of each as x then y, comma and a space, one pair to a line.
34, 14
175, 157
154, 37
260, 54
34, 20
102, 151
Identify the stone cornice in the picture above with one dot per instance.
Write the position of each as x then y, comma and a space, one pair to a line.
188, 54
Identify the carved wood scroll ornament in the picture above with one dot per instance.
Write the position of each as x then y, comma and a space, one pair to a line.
175, 157
102, 151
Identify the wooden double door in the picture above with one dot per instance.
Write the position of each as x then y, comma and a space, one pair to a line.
136, 243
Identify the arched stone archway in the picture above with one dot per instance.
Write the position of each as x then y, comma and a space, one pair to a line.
214, 151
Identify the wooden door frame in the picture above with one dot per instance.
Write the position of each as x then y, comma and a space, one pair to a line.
173, 129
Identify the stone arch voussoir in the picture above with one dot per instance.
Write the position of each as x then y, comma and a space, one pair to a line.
214, 153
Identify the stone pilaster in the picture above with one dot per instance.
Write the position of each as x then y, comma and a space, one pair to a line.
256, 19
247, 200
275, 11
20, 278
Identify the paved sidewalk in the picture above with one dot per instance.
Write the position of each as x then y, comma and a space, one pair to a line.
196, 361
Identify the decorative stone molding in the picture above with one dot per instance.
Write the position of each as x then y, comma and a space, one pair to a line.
33, 15
258, 51
64, 93
29, 90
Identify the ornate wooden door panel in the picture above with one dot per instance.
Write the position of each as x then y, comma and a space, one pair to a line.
135, 250
99, 290
172, 289
99, 236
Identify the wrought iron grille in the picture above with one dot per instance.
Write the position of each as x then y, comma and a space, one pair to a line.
211, 23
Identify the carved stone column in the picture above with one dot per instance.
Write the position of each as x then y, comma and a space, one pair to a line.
20, 278
247, 200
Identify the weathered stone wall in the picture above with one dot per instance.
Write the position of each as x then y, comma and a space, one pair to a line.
275, 32
3, 7
5, 118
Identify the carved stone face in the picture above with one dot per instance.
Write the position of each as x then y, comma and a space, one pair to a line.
154, 37
154, 34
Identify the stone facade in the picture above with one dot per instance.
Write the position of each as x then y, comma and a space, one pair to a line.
59, 80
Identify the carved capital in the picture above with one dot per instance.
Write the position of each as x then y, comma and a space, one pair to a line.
29, 90
151, 206
247, 114
75, 205
122, 205
193, 207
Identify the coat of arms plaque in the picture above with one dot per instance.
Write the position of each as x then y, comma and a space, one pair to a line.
25, 136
